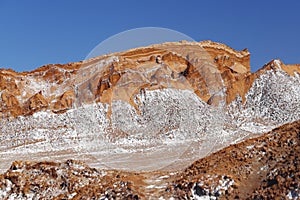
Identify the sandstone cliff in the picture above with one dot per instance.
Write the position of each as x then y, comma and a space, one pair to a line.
207, 68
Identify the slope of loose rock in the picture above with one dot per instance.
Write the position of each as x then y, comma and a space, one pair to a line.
266, 167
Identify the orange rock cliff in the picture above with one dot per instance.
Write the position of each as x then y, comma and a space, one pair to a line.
207, 68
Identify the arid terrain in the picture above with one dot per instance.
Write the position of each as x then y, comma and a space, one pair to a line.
179, 120
267, 167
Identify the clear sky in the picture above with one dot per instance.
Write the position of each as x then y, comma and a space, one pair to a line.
38, 32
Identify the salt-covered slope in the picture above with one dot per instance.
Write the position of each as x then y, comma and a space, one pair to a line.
144, 109
266, 167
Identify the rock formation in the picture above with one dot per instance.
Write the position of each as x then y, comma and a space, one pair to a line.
160, 108
202, 64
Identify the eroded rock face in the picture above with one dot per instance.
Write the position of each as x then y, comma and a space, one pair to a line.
204, 67
165, 100
215, 72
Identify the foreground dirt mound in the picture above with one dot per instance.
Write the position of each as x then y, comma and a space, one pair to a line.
267, 167
69, 180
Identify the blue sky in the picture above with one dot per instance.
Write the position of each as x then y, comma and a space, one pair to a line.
38, 32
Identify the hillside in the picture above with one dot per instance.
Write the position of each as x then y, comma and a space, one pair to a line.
146, 112
266, 167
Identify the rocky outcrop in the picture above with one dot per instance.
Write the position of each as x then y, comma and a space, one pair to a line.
63, 102
68, 180
35, 103
205, 67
